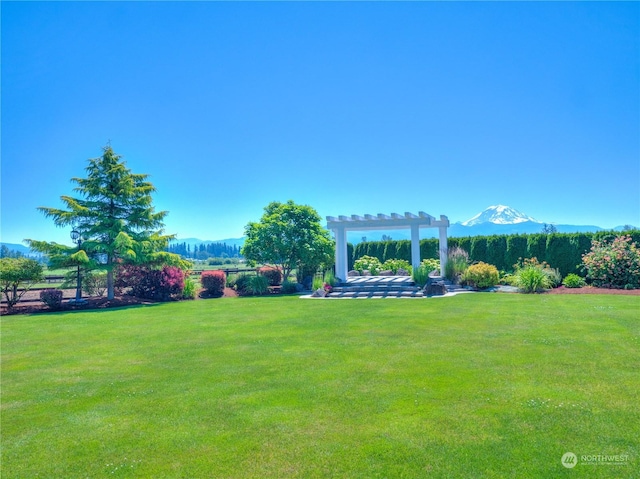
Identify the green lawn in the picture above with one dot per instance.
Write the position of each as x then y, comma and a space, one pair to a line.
482, 385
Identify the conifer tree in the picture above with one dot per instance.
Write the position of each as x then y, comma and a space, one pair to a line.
115, 217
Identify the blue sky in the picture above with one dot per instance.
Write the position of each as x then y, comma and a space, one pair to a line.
351, 108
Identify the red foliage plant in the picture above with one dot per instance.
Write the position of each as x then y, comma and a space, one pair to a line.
214, 282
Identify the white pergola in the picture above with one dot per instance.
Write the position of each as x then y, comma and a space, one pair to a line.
342, 224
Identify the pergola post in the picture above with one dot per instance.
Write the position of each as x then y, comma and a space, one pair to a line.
341, 253
444, 249
415, 246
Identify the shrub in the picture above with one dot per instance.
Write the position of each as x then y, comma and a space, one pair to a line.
480, 275
241, 284
51, 297
368, 263
395, 264
531, 276
214, 282
258, 285
94, 283
613, 263
508, 279
431, 264
156, 284
421, 275
273, 275
554, 276
289, 287
457, 263
189, 290
330, 278
317, 284
573, 281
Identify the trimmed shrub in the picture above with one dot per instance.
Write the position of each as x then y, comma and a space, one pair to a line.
214, 282
52, 298
480, 275
156, 284
573, 281
428, 248
273, 275
613, 263
457, 263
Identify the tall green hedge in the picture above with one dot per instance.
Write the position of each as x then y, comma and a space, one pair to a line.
478, 249
516, 249
560, 250
497, 251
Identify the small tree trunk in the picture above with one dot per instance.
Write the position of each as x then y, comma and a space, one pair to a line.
110, 292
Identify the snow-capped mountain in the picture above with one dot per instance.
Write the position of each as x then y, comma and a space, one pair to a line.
499, 215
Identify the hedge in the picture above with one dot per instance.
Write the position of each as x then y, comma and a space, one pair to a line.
560, 250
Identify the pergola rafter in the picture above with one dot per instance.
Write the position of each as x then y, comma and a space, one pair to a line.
342, 224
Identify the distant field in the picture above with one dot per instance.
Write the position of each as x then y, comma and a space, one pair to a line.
482, 385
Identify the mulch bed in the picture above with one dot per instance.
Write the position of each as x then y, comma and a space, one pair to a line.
33, 306
593, 290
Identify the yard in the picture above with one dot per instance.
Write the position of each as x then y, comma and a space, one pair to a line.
478, 385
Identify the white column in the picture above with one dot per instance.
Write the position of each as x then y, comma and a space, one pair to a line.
341, 253
415, 246
444, 250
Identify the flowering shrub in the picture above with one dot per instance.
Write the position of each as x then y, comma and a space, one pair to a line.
214, 282
51, 297
395, 264
368, 263
614, 264
573, 281
480, 275
431, 264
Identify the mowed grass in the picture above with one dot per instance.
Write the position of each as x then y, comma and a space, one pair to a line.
483, 385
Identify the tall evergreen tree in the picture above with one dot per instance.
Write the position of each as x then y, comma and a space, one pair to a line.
115, 217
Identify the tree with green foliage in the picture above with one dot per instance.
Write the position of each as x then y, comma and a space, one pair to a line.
115, 217
288, 236
17, 276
